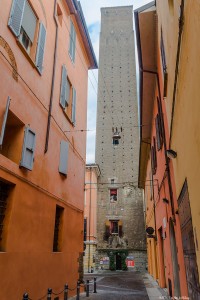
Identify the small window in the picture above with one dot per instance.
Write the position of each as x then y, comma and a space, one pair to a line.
68, 96
113, 195
112, 181
72, 43
5, 194
114, 227
11, 136
57, 242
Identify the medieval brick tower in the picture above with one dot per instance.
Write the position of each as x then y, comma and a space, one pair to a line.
120, 217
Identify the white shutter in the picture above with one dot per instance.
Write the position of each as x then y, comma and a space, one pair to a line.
74, 45
29, 21
40, 48
28, 149
71, 39
63, 88
73, 106
4, 121
64, 151
16, 15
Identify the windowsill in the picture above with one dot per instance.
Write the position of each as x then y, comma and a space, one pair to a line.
27, 55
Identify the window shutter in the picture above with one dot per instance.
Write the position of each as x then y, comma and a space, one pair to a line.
158, 133
63, 89
74, 106
16, 14
74, 44
29, 21
40, 48
64, 151
4, 121
28, 149
71, 39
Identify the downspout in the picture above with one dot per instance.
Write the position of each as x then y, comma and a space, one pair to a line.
52, 82
181, 23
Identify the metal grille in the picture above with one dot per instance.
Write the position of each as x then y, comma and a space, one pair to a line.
188, 244
4, 189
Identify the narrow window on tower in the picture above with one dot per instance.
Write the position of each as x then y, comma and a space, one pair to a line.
113, 195
58, 229
114, 227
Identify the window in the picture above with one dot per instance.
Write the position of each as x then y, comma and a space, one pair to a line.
11, 140
153, 157
113, 195
68, 97
164, 65
112, 181
72, 43
114, 227
159, 126
5, 192
58, 229
23, 23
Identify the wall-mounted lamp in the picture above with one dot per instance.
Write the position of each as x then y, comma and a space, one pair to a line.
165, 200
171, 153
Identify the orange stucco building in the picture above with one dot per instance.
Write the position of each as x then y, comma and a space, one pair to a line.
156, 174
90, 216
45, 54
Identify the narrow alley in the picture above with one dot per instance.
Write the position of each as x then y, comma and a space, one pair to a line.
122, 285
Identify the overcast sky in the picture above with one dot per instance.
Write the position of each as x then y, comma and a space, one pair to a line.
91, 10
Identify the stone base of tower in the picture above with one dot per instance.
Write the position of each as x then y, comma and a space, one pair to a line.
121, 259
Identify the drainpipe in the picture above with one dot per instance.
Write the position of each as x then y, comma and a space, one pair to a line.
89, 218
181, 23
52, 82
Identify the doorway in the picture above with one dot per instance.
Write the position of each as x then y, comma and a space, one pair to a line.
118, 262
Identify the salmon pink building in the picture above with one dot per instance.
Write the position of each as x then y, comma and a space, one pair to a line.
45, 54
90, 217
156, 176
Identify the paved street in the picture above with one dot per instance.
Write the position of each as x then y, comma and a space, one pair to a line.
121, 285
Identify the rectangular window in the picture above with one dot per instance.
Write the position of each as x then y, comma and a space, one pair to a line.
114, 227
72, 43
64, 153
23, 23
68, 96
159, 126
5, 190
164, 65
153, 157
11, 139
113, 195
57, 241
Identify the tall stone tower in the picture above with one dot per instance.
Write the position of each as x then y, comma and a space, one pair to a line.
120, 218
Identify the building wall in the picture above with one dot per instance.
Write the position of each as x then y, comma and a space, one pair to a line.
27, 259
90, 214
117, 107
184, 139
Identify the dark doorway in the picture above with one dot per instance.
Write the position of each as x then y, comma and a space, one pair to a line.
189, 250
118, 262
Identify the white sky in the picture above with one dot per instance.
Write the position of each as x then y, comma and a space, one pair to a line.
91, 10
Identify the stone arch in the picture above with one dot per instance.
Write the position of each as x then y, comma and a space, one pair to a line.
13, 63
